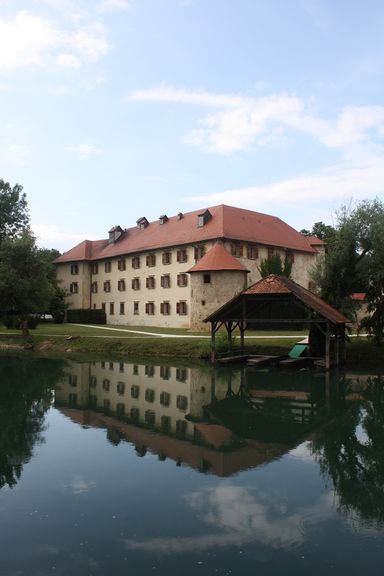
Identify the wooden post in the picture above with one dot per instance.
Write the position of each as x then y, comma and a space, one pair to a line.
213, 342
327, 348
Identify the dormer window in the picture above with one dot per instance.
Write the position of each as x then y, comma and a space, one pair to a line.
114, 234
203, 218
163, 219
142, 223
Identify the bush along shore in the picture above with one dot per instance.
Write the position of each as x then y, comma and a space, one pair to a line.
73, 340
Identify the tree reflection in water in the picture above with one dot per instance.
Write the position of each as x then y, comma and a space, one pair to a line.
350, 451
25, 395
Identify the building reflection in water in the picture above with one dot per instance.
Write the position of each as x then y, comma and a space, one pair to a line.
215, 420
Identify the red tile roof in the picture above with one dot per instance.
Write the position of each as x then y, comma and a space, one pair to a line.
226, 222
218, 258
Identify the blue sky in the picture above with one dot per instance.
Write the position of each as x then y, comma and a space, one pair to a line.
116, 109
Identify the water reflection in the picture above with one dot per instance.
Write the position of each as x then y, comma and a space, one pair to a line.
216, 420
25, 396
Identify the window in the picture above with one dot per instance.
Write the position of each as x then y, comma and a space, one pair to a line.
111, 308
165, 423
165, 308
181, 374
150, 308
199, 252
135, 308
149, 371
72, 380
150, 282
167, 258
289, 257
106, 384
181, 427
165, 372
271, 253
107, 286
95, 268
94, 287
151, 260
103, 306
252, 252
182, 279
121, 264
121, 285
165, 398
135, 391
149, 417
93, 381
135, 283
182, 402
165, 281
182, 255
74, 269
135, 369
237, 250
121, 388
150, 395
111, 365
72, 399
122, 308
121, 366
181, 308
135, 413
74, 288
136, 262
207, 278
108, 266
107, 404
120, 408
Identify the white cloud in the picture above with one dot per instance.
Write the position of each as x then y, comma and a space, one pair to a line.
84, 150
50, 235
32, 41
17, 154
112, 5
354, 179
241, 121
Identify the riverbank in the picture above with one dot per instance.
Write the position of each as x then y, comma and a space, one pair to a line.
73, 340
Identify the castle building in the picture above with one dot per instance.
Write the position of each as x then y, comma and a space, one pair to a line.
175, 271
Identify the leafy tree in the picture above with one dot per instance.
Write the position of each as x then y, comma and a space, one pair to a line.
14, 217
274, 265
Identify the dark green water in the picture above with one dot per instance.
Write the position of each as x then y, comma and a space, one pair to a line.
118, 468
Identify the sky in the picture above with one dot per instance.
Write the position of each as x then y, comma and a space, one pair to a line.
111, 110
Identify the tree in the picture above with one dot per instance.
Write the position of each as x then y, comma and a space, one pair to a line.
24, 285
14, 216
274, 265
354, 262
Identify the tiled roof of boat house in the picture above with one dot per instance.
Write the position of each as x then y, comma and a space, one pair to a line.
218, 259
192, 227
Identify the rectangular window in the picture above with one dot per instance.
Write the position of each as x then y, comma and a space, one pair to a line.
165, 374
122, 308
237, 250
111, 308
107, 286
271, 253
289, 257
181, 308
135, 283
165, 423
182, 402
150, 417
199, 252
252, 252
95, 268
74, 288
182, 255
121, 285
207, 278
151, 260
103, 306
135, 391
121, 264
121, 388
167, 258
182, 280
135, 413
165, 308
150, 282
135, 308
165, 281
150, 308
165, 399
150, 395
136, 262
74, 269
94, 287
181, 374
108, 266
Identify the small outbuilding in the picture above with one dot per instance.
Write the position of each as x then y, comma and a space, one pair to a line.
277, 302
